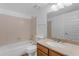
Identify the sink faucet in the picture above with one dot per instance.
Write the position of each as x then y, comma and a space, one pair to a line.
59, 40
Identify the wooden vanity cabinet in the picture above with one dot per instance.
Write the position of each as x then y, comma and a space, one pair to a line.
41, 50
40, 53
44, 51
54, 53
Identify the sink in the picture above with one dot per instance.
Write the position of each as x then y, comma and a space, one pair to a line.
55, 44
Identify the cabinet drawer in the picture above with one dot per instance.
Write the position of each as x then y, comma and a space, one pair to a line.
42, 48
40, 53
52, 53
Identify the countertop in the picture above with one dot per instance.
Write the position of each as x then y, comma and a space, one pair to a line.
68, 49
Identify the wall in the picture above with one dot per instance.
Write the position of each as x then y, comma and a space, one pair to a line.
66, 26
14, 29
21, 27
42, 23
49, 29
33, 28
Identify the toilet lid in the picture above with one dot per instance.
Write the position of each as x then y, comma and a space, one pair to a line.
31, 48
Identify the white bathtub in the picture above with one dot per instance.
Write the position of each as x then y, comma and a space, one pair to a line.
17, 49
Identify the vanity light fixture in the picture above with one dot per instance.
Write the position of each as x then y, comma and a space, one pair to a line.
54, 8
36, 6
67, 4
58, 6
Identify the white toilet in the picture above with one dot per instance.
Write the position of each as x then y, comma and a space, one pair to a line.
31, 49
39, 37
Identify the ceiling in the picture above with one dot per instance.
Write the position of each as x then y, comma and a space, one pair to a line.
23, 7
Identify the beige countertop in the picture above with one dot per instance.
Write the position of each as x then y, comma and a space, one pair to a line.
64, 48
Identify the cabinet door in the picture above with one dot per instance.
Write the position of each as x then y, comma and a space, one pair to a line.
52, 53
42, 48
40, 53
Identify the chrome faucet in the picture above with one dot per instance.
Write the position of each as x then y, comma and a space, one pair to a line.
58, 40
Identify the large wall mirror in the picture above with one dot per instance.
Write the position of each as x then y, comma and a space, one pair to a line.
64, 24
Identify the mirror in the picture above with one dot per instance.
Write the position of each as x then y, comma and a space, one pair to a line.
64, 24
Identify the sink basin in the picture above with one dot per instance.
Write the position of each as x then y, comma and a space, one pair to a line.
55, 44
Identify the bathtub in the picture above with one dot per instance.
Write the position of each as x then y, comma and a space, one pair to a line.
17, 49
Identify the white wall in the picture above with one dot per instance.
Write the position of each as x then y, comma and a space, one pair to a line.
66, 25
42, 23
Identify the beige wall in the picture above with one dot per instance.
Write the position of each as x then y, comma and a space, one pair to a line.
49, 29
33, 30
14, 29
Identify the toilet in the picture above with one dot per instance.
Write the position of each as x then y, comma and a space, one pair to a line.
30, 50
39, 37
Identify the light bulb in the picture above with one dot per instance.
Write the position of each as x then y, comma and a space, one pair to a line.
60, 5
54, 8
67, 4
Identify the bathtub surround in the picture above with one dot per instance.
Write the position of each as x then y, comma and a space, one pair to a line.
14, 29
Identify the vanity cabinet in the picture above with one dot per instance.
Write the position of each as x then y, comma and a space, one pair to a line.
54, 53
41, 50
40, 53
44, 51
